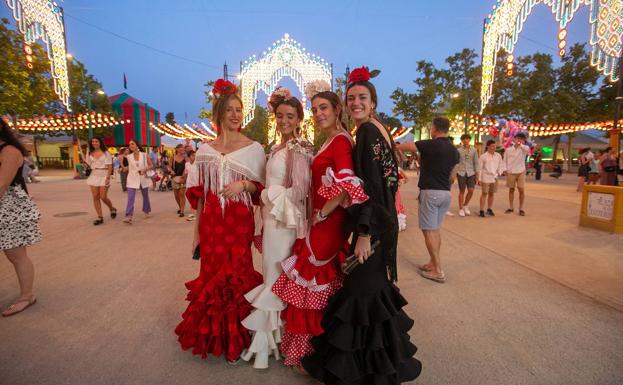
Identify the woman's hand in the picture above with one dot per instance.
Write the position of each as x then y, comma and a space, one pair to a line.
363, 249
233, 189
195, 243
316, 217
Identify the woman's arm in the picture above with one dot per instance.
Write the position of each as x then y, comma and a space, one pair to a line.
328, 207
196, 237
10, 161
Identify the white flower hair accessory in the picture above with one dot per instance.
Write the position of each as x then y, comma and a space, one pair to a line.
279, 94
315, 87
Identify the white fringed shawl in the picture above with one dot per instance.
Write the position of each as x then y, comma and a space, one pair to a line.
215, 170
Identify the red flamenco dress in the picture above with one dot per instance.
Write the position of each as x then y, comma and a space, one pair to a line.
212, 322
312, 274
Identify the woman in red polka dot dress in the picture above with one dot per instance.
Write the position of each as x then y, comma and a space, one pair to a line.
227, 182
312, 274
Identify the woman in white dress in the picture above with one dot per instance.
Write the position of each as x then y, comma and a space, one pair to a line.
284, 214
100, 162
138, 166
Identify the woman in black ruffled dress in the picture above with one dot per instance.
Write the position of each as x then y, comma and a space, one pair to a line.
366, 337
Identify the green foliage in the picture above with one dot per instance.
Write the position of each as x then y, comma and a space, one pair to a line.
389, 121
205, 113
169, 118
257, 129
23, 92
420, 107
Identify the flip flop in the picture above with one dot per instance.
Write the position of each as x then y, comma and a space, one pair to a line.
14, 309
429, 275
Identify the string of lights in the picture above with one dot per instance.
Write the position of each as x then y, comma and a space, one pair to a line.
68, 122
505, 23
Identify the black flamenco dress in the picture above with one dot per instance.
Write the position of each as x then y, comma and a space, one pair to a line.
365, 339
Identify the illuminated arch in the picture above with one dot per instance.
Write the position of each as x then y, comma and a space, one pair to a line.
284, 58
43, 19
503, 26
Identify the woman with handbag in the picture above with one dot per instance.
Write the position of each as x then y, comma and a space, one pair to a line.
19, 217
99, 161
140, 170
179, 178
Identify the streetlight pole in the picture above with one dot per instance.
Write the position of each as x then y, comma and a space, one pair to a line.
617, 109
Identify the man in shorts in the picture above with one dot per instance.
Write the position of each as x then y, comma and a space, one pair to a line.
491, 167
438, 161
515, 165
467, 173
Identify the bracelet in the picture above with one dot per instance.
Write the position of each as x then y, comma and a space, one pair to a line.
321, 216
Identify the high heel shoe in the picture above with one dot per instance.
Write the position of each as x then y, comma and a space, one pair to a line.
98, 221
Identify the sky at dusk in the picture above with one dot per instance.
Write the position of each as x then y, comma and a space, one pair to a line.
387, 35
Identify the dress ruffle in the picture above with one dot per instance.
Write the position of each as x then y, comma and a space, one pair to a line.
212, 322
365, 341
333, 185
266, 326
193, 195
283, 210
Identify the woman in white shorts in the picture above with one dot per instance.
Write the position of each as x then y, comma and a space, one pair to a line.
100, 163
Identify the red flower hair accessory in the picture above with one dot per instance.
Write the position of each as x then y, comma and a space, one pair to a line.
362, 74
223, 87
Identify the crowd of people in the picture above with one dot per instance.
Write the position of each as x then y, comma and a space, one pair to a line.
326, 224
598, 168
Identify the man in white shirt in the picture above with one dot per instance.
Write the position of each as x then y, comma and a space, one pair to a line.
515, 165
491, 166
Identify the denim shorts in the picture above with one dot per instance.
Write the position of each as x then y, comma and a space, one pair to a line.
433, 207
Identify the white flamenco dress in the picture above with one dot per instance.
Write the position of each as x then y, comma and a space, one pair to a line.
284, 220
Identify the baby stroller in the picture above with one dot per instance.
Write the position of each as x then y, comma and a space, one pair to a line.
557, 172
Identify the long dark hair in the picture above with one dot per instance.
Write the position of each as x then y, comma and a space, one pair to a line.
8, 136
102, 145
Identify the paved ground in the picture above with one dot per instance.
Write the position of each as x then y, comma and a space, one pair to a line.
532, 300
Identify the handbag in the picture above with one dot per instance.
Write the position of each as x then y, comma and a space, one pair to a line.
610, 168
87, 169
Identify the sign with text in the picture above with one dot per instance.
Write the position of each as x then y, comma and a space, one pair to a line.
600, 205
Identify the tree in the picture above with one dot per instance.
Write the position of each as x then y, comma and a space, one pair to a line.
420, 107
461, 83
257, 129
24, 92
389, 121
169, 118
205, 113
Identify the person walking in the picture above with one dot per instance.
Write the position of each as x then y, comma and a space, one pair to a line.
138, 166
515, 166
19, 218
190, 172
467, 173
537, 158
100, 162
178, 165
153, 155
584, 169
491, 166
439, 162
123, 170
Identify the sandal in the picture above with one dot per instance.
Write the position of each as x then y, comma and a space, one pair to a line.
113, 213
508, 211
128, 220
98, 221
437, 278
522, 213
15, 308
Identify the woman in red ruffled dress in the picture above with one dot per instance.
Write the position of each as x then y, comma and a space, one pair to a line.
312, 274
229, 179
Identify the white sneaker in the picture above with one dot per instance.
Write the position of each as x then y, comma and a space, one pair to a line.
466, 209
449, 213
461, 213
